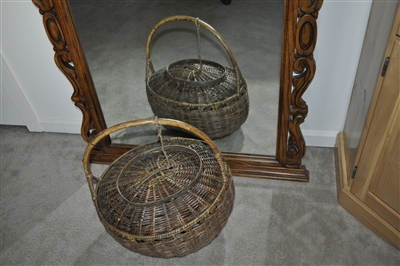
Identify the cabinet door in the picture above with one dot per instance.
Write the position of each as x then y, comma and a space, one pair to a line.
383, 194
377, 180
368, 80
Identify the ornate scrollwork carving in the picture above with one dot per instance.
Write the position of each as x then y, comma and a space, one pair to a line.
303, 73
64, 62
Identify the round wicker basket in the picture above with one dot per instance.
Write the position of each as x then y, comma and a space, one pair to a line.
203, 93
163, 199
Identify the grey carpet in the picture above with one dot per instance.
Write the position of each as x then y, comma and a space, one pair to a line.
47, 216
114, 36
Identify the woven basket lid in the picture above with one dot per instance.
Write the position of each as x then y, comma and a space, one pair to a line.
194, 81
144, 193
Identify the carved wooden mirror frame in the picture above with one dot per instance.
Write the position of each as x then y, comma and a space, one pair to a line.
297, 71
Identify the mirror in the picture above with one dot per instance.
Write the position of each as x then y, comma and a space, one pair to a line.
296, 70
114, 36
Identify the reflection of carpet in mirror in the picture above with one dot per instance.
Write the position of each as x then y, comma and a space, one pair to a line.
114, 36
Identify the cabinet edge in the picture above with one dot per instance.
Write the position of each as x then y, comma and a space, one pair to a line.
355, 206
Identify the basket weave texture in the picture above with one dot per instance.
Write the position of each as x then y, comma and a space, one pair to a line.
210, 96
167, 198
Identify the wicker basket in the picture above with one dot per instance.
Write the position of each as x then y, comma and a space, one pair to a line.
203, 93
164, 199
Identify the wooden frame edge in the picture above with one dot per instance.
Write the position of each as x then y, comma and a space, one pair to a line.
298, 70
254, 166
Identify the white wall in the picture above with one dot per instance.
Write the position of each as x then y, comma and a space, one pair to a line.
341, 30
27, 53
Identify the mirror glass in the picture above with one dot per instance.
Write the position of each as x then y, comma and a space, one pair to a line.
113, 35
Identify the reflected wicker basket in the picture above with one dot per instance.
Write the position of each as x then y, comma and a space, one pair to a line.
163, 199
203, 93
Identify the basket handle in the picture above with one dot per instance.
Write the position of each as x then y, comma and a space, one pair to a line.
149, 121
149, 63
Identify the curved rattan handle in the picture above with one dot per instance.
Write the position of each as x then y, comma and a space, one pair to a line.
149, 63
142, 122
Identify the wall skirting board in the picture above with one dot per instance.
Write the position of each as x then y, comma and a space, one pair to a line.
319, 138
313, 138
19, 107
61, 126
20, 112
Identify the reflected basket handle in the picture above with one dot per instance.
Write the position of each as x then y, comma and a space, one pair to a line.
149, 63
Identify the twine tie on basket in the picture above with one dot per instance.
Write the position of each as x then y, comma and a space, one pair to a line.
198, 43
159, 135
197, 71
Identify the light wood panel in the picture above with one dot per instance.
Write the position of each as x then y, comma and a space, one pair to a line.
373, 51
379, 127
359, 209
372, 192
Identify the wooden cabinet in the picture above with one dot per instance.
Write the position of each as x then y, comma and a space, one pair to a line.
369, 183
